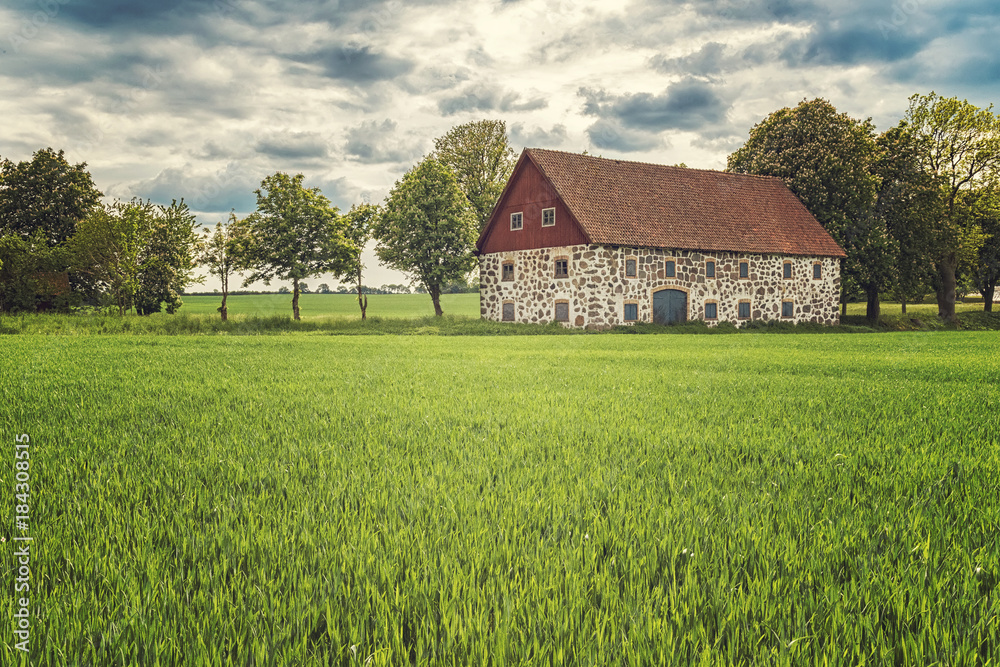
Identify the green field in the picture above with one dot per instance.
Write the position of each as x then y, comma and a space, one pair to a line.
335, 305
640, 500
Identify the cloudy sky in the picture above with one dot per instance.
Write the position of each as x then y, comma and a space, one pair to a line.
201, 99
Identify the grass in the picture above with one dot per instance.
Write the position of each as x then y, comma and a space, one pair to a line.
315, 500
405, 306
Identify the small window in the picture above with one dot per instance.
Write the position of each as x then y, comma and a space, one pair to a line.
516, 221
787, 308
631, 312
711, 311
817, 271
630, 270
508, 271
744, 310
744, 269
786, 270
710, 269
562, 311
562, 268
671, 268
548, 217
508, 312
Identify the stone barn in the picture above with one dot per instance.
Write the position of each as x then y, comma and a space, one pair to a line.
597, 242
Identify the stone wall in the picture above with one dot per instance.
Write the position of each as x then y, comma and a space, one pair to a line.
596, 288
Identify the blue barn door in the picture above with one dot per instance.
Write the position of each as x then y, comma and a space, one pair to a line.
669, 306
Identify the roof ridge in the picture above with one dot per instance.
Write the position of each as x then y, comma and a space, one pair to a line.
651, 164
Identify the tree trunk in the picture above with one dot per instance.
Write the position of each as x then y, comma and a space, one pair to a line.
295, 298
435, 291
843, 308
903, 303
874, 307
225, 295
988, 298
946, 290
362, 300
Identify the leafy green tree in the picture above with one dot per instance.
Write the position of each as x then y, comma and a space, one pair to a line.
983, 269
909, 202
167, 259
46, 193
427, 229
960, 144
824, 157
323, 288
360, 222
482, 160
33, 274
294, 233
216, 255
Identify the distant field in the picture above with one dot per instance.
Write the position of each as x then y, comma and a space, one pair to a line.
586, 500
326, 305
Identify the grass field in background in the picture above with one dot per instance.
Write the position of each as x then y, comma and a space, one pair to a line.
612, 499
334, 305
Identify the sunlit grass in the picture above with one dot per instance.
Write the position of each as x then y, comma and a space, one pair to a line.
604, 499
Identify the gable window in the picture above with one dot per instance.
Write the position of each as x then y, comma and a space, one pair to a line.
548, 217
508, 311
507, 272
710, 268
630, 267
787, 308
516, 221
743, 311
631, 312
562, 311
786, 270
671, 268
711, 310
562, 268
744, 269
817, 271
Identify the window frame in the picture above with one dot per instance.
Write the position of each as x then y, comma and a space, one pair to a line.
786, 270
555, 310
503, 312
667, 272
546, 210
503, 271
739, 307
710, 263
746, 263
555, 267
711, 317
635, 267
520, 221
791, 308
626, 306
817, 270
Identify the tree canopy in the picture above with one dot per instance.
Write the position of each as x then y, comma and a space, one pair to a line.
482, 160
295, 233
427, 228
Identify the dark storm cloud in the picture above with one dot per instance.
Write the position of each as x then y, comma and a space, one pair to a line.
228, 188
610, 135
686, 105
841, 43
488, 98
357, 64
372, 142
714, 59
293, 145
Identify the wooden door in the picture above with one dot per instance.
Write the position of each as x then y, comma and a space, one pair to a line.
669, 306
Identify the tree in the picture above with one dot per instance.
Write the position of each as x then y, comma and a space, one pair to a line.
216, 256
909, 202
960, 144
294, 233
47, 194
427, 229
140, 254
359, 222
482, 160
32, 274
824, 157
323, 288
983, 206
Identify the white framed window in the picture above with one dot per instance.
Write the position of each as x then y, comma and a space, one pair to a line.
548, 217
516, 221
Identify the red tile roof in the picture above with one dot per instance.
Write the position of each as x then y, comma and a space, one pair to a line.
647, 205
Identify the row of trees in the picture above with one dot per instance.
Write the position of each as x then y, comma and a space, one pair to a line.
60, 246
917, 207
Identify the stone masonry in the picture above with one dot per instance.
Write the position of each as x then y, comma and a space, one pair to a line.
596, 288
